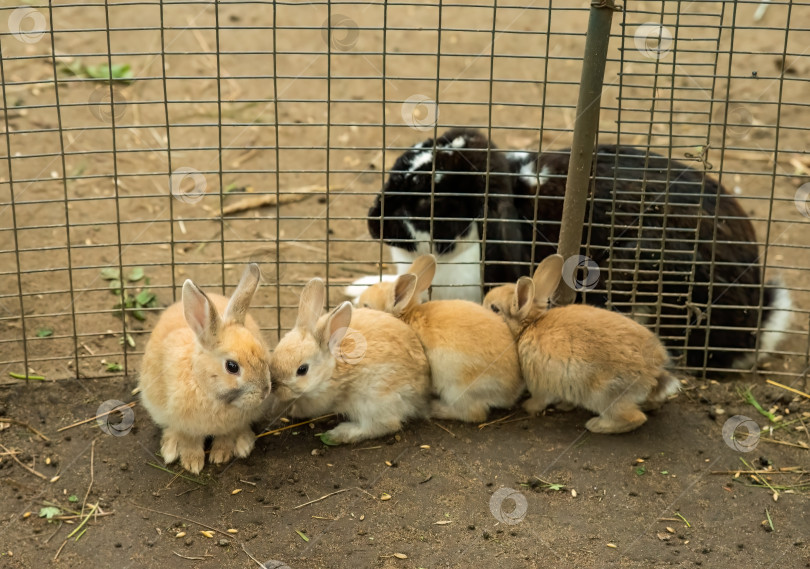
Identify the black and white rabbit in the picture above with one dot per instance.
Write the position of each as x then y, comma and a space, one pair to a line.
650, 221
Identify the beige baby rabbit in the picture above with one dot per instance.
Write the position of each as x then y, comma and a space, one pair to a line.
584, 356
205, 372
363, 364
472, 354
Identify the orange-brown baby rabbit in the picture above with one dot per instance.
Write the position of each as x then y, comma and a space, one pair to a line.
472, 354
363, 364
206, 372
584, 356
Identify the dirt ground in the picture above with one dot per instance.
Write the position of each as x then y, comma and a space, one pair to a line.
442, 476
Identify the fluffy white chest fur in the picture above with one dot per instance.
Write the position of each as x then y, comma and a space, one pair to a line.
458, 273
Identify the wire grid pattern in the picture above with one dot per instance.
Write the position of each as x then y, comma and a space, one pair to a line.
307, 105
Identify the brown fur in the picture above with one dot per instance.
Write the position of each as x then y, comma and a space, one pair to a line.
363, 364
579, 355
184, 384
472, 355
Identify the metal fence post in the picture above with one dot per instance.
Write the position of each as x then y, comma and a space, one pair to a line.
585, 129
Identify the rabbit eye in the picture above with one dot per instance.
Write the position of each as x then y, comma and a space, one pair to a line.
495, 309
302, 369
232, 367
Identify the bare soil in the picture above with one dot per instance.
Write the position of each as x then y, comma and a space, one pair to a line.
441, 477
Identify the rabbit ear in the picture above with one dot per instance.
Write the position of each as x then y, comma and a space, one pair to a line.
524, 296
240, 300
336, 326
201, 315
424, 268
402, 293
310, 306
547, 277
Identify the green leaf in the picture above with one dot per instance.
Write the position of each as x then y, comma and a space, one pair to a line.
110, 273
302, 535
49, 512
120, 71
115, 286
556, 486
136, 274
145, 298
665, 472
138, 315
113, 366
641, 470
44, 332
73, 498
327, 440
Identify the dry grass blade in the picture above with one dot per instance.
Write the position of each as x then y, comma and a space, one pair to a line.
24, 424
253, 202
796, 391
322, 498
264, 434
25, 466
127, 406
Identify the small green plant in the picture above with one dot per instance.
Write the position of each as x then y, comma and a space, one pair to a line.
113, 366
121, 72
44, 332
132, 305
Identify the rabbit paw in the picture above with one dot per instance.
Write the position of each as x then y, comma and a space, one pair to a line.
534, 405
350, 432
226, 446
188, 449
473, 414
564, 406
618, 423
193, 460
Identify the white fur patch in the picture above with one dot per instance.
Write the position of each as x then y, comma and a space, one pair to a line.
517, 156
528, 175
458, 274
420, 160
458, 142
773, 329
359, 286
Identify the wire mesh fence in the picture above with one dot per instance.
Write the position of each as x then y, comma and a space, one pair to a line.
146, 142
